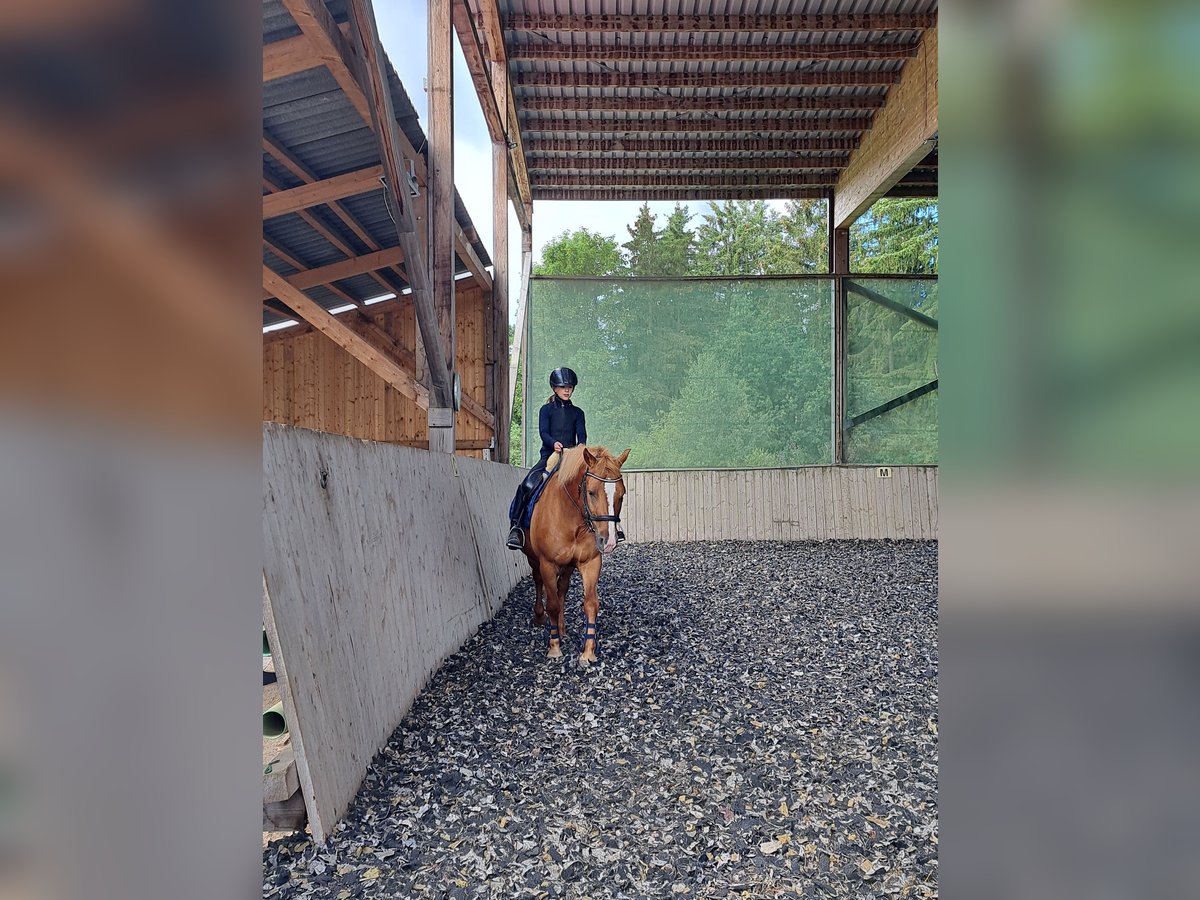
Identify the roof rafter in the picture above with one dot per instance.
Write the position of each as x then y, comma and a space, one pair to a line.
704, 79
709, 52
697, 104
656, 192
702, 125
597, 165
315, 193
687, 179
698, 145
661, 23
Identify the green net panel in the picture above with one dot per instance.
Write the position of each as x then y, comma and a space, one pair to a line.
888, 355
690, 373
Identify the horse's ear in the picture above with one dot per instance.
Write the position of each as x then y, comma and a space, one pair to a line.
588, 458
621, 459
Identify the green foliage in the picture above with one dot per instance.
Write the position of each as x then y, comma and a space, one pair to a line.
581, 253
514, 434
896, 236
737, 373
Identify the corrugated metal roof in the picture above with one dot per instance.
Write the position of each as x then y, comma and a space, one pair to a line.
310, 118
706, 84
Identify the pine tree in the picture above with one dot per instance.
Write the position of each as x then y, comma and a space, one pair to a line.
642, 247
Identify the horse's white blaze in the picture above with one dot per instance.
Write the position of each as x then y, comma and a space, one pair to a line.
610, 490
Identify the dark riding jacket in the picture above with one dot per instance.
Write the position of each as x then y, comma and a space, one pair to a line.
562, 421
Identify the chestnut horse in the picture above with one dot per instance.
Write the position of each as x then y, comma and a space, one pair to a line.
574, 525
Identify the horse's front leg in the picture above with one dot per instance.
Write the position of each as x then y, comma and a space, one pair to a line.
554, 604
539, 594
564, 588
590, 572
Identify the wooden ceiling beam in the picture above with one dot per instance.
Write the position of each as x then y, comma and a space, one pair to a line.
680, 193
493, 34
287, 57
793, 125
729, 80
331, 49
626, 24
338, 331
315, 193
347, 268
685, 179
730, 104
282, 254
780, 144
708, 53
477, 66
391, 150
596, 165
904, 133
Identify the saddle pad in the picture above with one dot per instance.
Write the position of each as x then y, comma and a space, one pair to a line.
527, 514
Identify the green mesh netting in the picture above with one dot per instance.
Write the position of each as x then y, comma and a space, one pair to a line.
889, 354
690, 373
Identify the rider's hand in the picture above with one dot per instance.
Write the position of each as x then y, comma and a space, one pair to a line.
557, 447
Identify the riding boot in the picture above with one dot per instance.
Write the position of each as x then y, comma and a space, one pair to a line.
516, 537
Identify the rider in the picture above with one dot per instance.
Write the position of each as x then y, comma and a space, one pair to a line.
561, 425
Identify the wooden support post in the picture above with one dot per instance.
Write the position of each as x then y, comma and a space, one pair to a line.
524, 325
369, 57
500, 172
441, 200
839, 265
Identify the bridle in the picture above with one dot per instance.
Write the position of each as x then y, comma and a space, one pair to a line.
582, 504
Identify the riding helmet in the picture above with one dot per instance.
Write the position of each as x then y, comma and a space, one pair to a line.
563, 377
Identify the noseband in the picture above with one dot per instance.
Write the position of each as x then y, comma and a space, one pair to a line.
589, 519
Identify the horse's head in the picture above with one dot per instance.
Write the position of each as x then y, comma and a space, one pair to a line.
603, 493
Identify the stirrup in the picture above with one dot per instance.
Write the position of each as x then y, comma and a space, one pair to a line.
516, 538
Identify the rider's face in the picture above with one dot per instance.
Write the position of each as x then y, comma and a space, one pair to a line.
564, 393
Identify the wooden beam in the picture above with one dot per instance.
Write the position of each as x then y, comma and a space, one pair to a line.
807, 125
332, 49
347, 268
738, 52
685, 179
296, 168
631, 24
471, 260
387, 132
498, 381
287, 57
479, 68
595, 166
315, 193
903, 134
440, 133
680, 193
347, 338
783, 103
493, 34
796, 78
677, 146
297, 264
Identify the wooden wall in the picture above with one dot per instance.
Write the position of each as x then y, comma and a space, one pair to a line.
815, 503
311, 382
379, 562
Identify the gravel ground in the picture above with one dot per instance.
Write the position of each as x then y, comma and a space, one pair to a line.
762, 723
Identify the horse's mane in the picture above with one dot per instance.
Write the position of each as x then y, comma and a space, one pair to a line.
570, 470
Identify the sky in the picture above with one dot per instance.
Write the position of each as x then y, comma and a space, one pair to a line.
403, 29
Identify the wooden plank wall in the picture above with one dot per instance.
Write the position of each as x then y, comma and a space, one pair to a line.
310, 382
379, 562
815, 503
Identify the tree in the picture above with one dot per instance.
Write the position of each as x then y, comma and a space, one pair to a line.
581, 253
642, 247
734, 238
801, 243
896, 236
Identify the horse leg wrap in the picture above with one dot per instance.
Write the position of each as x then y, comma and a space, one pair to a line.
554, 635
589, 634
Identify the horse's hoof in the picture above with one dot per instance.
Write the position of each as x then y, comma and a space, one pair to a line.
585, 661
539, 621
554, 652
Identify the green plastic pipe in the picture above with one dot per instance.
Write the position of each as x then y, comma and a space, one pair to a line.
274, 723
